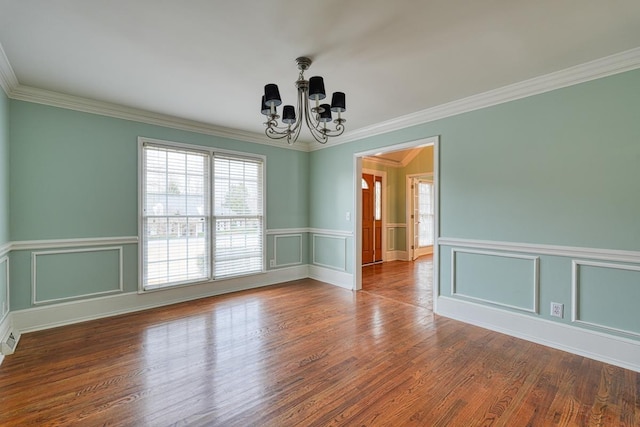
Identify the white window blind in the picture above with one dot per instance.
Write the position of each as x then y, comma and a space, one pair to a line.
238, 215
175, 218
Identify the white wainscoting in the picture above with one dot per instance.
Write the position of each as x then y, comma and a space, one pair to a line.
34, 274
64, 313
314, 261
4, 311
275, 250
5, 249
80, 242
595, 345
535, 285
585, 341
6, 324
333, 277
575, 289
563, 251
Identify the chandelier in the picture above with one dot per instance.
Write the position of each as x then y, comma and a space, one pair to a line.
316, 118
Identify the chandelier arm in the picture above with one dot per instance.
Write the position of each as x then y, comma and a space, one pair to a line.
276, 127
339, 130
317, 134
298, 127
275, 134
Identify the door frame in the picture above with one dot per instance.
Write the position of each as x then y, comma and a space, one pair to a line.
409, 209
382, 174
356, 252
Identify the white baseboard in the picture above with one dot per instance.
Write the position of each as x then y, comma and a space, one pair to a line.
5, 327
333, 277
595, 345
50, 316
396, 256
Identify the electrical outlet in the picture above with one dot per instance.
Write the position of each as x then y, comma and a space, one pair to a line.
557, 309
272, 263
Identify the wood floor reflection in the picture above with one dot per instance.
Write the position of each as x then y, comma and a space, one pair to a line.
408, 282
303, 354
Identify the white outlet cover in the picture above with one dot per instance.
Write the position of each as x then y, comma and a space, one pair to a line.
557, 309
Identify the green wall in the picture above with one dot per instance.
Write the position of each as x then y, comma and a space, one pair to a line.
563, 163
559, 168
75, 175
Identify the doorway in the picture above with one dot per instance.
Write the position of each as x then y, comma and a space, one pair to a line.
372, 218
420, 215
358, 199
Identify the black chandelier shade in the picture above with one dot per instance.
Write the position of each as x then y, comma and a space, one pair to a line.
288, 114
316, 118
338, 102
272, 95
316, 88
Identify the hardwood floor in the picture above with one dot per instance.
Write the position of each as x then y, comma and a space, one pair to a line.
303, 354
408, 282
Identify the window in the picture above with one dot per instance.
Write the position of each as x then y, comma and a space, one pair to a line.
181, 241
426, 213
238, 216
378, 199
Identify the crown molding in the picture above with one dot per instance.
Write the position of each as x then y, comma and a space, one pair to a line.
381, 161
70, 102
603, 67
8, 79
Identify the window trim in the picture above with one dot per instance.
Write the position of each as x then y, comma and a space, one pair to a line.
211, 151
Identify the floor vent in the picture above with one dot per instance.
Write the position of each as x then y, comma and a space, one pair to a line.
9, 343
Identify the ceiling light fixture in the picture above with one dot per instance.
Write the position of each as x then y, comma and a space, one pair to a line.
316, 117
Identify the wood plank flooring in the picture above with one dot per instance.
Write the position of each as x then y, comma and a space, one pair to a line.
303, 354
408, 282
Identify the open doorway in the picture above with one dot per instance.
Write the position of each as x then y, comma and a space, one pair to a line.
420, 215
398, 233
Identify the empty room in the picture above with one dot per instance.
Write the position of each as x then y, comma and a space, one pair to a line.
279, 213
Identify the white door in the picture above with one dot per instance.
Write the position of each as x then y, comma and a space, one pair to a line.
423, 217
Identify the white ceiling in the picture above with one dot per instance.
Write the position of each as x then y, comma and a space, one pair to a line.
209, 60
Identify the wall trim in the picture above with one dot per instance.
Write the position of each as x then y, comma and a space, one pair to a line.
323, 231
564, 251
6, 324
23, 245
274, 231
5, 249
575, 284
275, 250
8, 79
602, 67
595, 345
70, 102
313, 252
69, 312
536, 279
397, 256
327, 232
34, 277
3, 314
341, 279
396, 224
